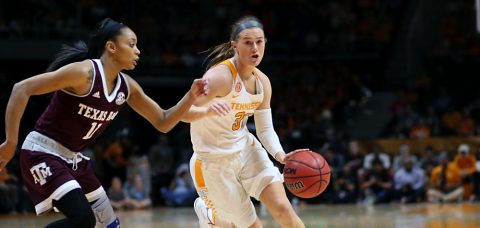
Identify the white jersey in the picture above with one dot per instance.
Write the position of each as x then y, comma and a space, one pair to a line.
227, 134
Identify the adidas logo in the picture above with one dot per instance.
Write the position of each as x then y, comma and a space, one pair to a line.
96, 94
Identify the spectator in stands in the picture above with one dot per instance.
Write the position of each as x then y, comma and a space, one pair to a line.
354, 158
433, 121
420, 130
138, 163
137, 193
8, 193
181, 191
466, 163
334, 160
376, 185
404, 155
466, 126
345, 186
476, 179
376, 154
117, 195
451, 120
428, 161
409, 183
117, 154
162, 162
445, 182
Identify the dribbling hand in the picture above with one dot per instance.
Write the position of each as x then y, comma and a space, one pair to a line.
199, 88
283, 158
7, 151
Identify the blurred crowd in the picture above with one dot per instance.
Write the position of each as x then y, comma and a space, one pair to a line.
406, 177
442, 100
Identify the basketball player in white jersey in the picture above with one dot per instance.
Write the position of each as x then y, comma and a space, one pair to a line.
229, 164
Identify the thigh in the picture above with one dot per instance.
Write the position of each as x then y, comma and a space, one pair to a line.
225, 192
46, 178
257, 170
85, 175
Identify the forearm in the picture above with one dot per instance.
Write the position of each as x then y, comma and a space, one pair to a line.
195, 113
174, 114
266, 133
15, 109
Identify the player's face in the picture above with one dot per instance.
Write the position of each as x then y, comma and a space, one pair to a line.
127, 54
250, 46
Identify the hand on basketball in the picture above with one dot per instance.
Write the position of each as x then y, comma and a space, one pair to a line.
7, 151
283, 158
199, 88
219, 108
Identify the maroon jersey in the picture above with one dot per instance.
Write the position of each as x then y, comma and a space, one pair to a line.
75, 121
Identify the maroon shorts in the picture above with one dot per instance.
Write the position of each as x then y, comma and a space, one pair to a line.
48, 177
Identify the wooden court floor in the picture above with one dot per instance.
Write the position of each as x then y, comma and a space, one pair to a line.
465, 215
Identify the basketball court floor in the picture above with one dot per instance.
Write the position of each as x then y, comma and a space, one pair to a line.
464, 215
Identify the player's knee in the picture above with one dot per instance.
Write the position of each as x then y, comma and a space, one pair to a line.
104, 212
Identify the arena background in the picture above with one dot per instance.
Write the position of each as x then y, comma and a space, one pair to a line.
380, 73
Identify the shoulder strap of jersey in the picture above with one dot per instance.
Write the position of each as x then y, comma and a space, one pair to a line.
230, 65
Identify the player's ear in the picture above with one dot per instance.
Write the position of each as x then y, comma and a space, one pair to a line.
110, 46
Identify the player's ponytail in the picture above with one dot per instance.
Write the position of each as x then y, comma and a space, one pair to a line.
106, 30
224, 51
69, 54
219, 53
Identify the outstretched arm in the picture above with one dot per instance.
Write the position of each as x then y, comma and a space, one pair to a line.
164, 120
75, 77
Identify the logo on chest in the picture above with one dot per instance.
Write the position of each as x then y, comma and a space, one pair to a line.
238, 87
120, 98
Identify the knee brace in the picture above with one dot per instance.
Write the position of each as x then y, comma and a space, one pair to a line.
104, 212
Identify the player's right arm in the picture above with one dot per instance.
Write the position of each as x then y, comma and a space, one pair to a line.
220, 81
75, 77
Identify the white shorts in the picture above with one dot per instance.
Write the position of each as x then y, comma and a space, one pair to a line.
226, 183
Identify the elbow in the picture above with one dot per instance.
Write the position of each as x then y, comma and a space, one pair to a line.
20, 91
162, 127
161, 123
18, 88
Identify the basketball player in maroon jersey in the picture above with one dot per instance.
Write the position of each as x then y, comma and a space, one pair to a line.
89, 90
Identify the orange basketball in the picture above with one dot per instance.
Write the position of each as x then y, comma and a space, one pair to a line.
306, 174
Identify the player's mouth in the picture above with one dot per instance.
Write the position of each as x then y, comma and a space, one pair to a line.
254, 57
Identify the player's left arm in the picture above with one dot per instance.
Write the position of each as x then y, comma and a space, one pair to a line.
264, 124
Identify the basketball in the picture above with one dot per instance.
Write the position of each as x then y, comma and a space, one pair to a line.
306, 174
